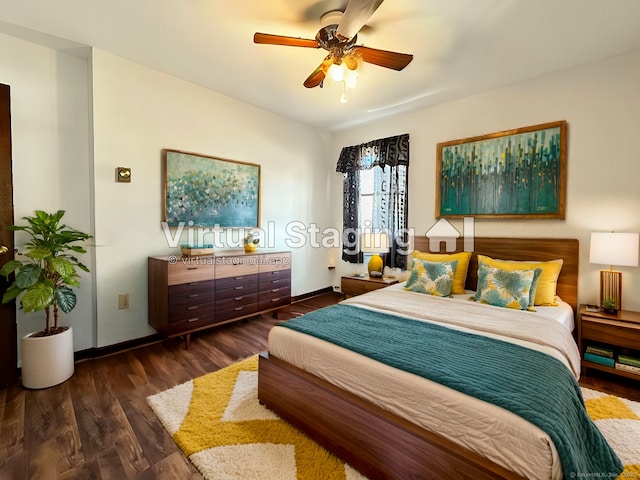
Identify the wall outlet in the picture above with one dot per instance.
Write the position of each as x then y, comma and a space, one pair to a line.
336, 288
123, 301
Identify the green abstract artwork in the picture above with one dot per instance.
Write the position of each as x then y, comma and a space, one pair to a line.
209, 191
518, 173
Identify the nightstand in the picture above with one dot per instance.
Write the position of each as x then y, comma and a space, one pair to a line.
620, 333
352, 286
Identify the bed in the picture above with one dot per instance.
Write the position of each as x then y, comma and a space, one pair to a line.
389, 423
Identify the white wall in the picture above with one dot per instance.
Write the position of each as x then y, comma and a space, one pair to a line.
138, 112
51, 155
599, 101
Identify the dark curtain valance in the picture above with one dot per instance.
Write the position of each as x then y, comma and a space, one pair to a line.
392, 151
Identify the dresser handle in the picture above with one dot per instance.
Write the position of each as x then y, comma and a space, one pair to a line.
193, 283
275, 290
193, 319
193, 295
192, 268
275, 300
238, 288
192, 308
238, 278
275, 281
238, 308
237, 299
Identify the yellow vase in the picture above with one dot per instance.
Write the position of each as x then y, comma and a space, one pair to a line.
249, 247
375, 263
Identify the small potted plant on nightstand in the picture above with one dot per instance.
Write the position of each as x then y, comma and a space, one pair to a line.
609, 305
44, 281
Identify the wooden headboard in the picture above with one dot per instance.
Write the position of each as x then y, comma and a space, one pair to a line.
540, 249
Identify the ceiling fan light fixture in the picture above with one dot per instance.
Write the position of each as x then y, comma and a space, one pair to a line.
350, 61
350, 78
336, 70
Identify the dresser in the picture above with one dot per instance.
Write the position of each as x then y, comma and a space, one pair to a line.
187, 294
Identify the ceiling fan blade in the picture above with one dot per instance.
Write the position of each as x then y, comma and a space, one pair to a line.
268, 39
384, 58
317, 76
356, 15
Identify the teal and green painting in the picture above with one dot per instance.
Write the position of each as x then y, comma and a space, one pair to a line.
517, 174
205, 191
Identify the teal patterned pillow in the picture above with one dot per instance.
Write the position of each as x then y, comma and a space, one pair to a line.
432, 278
504, 288
534, 284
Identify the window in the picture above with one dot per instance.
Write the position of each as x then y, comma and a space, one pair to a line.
375, 195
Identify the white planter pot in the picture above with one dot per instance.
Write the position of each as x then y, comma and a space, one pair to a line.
47, 361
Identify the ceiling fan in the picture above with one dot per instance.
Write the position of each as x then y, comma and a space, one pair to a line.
338, 35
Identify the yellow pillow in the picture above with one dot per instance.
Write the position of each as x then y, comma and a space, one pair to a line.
460, 275
547, 283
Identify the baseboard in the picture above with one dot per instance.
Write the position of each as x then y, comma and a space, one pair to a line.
306, 296
97, 352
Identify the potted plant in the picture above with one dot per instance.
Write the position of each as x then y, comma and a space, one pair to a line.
610, 306
44, 281
251, 242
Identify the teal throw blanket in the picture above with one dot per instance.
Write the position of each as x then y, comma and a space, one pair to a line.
531, 384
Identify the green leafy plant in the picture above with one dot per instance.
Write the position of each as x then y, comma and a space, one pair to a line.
609, 303
45, 279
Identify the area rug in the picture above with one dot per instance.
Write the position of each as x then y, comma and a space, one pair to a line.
218, 423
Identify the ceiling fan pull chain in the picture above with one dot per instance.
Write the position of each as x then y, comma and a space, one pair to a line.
343, 98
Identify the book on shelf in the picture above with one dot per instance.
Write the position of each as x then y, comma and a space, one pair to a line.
627, 368
629, 360
591, 357
602, 351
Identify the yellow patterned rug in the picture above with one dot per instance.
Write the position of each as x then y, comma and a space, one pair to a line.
221, 427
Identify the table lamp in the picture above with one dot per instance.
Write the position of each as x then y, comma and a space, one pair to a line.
619, 249
375, 243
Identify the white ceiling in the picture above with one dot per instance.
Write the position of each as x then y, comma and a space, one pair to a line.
460, 47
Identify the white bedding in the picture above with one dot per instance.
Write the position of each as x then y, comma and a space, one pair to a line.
482, 427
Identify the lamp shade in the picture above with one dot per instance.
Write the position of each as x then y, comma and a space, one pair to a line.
374, 242
619, 249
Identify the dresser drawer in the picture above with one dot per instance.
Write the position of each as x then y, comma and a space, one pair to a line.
275, 291
237, 301
190, 314
274, 274
190, 270
235, 266
611, 332
236, 312
268, 284
236, 281
191, 320
203, 287
274, 299
238, 290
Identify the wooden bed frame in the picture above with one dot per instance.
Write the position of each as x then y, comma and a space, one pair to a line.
382, 445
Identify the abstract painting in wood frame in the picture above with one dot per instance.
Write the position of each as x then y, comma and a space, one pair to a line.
205, 191
519, 173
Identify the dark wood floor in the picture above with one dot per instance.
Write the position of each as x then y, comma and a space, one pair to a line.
97, 425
